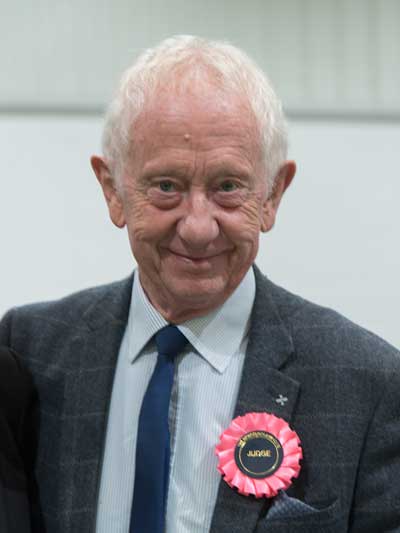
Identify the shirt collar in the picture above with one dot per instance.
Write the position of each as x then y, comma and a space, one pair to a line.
217, 336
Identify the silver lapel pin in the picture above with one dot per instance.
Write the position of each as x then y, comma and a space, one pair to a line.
281, 400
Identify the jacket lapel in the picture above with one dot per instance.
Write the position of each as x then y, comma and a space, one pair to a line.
264, 387
98, 352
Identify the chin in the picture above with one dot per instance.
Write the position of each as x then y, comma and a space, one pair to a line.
212, 292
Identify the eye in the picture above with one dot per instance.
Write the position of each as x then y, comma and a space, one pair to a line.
166, 186
228, 186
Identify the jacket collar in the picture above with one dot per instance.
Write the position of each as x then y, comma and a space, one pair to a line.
111, 307
264, 388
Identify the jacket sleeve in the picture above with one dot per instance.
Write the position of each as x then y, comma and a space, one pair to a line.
376, 505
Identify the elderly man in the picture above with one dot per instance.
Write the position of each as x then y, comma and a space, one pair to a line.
137, 380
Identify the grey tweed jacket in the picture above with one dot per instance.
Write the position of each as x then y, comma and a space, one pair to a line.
341, 382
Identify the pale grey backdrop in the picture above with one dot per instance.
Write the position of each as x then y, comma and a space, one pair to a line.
336, 65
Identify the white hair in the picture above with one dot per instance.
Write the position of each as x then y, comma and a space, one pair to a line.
232, 70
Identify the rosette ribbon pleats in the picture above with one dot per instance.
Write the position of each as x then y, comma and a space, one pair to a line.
259, 454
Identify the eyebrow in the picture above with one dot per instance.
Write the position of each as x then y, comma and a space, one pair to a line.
224, 168
165, 169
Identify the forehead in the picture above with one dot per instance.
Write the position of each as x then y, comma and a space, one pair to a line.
196, 118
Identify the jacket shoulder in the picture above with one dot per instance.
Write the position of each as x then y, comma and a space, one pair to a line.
72, 306
84, 309
327, 335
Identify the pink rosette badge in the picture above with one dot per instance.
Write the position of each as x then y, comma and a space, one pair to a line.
259, 454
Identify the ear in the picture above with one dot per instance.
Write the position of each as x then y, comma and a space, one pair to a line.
270, 207
111, 194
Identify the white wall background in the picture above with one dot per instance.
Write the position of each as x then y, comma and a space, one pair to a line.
336, 65
336, 55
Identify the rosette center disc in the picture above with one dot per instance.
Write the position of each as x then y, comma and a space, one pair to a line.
258, 454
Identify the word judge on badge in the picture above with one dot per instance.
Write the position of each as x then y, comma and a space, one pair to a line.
259, 454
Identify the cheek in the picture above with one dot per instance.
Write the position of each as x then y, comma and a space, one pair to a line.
136, 217
147, 225
243, 225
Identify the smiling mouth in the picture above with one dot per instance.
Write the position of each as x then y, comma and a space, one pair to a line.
195, 259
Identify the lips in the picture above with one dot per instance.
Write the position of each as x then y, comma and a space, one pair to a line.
196, 257
197, 261
193, 257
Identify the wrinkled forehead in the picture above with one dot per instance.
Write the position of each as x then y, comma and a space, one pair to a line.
199, 131
187, 105
202, 122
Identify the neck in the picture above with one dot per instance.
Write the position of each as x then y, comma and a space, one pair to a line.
177, 311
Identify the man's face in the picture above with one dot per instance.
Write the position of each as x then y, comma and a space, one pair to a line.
194, 199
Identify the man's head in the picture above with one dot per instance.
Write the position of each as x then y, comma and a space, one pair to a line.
194, 165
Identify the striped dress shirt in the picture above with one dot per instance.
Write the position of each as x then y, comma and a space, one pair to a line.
206, 383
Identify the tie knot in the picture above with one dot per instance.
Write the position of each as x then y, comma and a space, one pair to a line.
170, 341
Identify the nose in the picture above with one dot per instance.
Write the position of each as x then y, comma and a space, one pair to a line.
198, 226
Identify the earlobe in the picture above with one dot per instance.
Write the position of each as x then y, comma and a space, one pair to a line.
270, 207
267, 217
111, 194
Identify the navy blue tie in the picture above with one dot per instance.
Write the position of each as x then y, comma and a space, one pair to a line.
153, 439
